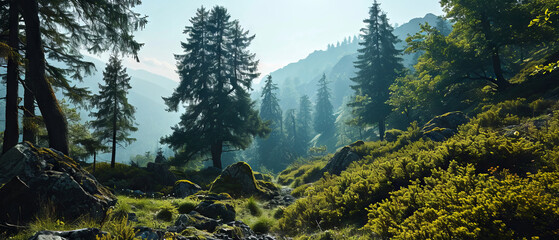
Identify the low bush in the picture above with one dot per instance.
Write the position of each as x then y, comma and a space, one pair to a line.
253, 207
262, 225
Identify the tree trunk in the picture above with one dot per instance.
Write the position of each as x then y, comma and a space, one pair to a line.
54, 119
381, 129
501, 82
29, 121
217, 149
11, 133
113, 154
94, 160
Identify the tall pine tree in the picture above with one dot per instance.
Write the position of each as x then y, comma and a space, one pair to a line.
378, 64
324, 111
270, 111
216, 72
114, 119
304, 125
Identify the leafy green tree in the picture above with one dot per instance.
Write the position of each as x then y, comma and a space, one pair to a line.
487, 28
216, 72
270, 111
304, 125
114, 119
378, 65
324, 111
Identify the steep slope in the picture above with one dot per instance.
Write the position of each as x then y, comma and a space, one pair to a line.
299, 78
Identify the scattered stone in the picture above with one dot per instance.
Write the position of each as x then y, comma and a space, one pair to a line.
340, 161
146, 233
196, 220
185, 188
217, 210
444, 126
213, 197
80, 234
32, 178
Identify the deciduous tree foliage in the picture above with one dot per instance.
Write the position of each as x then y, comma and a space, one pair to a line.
114, 119
216, 72
378, 65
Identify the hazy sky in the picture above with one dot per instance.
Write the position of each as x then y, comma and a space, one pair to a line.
286, 30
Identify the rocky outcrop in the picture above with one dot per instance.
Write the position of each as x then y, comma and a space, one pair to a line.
217, 209
341, 160
32, 178
392, 135
238, 180
80, 234
185, 188
444, 126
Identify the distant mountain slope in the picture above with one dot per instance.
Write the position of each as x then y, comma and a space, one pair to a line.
299, 78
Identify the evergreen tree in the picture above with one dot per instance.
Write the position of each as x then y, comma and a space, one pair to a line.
324, 111
378, 64
304, 125
270, 111
114, 119
216, 72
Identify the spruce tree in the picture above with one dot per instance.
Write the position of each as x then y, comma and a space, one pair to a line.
114, 119
378, 64
216, 72
271, 112
304, 125
324, 111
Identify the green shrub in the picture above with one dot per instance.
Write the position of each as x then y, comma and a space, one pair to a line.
262, 225
253, 207
186, 206
166, 213
279, 212
461, 203
121, 211
119, 230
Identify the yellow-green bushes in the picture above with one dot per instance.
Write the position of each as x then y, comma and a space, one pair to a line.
462, 204
335, 201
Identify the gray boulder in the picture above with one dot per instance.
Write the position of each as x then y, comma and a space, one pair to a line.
216, 210
185, 188
196, 220
341, 160
31, 178
444, 126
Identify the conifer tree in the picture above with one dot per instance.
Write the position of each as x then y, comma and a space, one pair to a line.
378, 64
270, 111
216, 72
114, 119
304, 125
324, 111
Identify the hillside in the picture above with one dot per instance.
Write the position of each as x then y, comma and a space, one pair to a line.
299, 78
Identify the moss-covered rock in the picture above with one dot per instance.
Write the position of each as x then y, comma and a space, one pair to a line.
31, 178
444, 126
185, 188
238, 180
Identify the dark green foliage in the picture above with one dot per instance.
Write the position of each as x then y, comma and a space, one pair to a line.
262, 225
378, 65
324, 111
270, 149
253, 207
114, 119
216, 72
125, 177
166, 213
186, 207
303, 126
